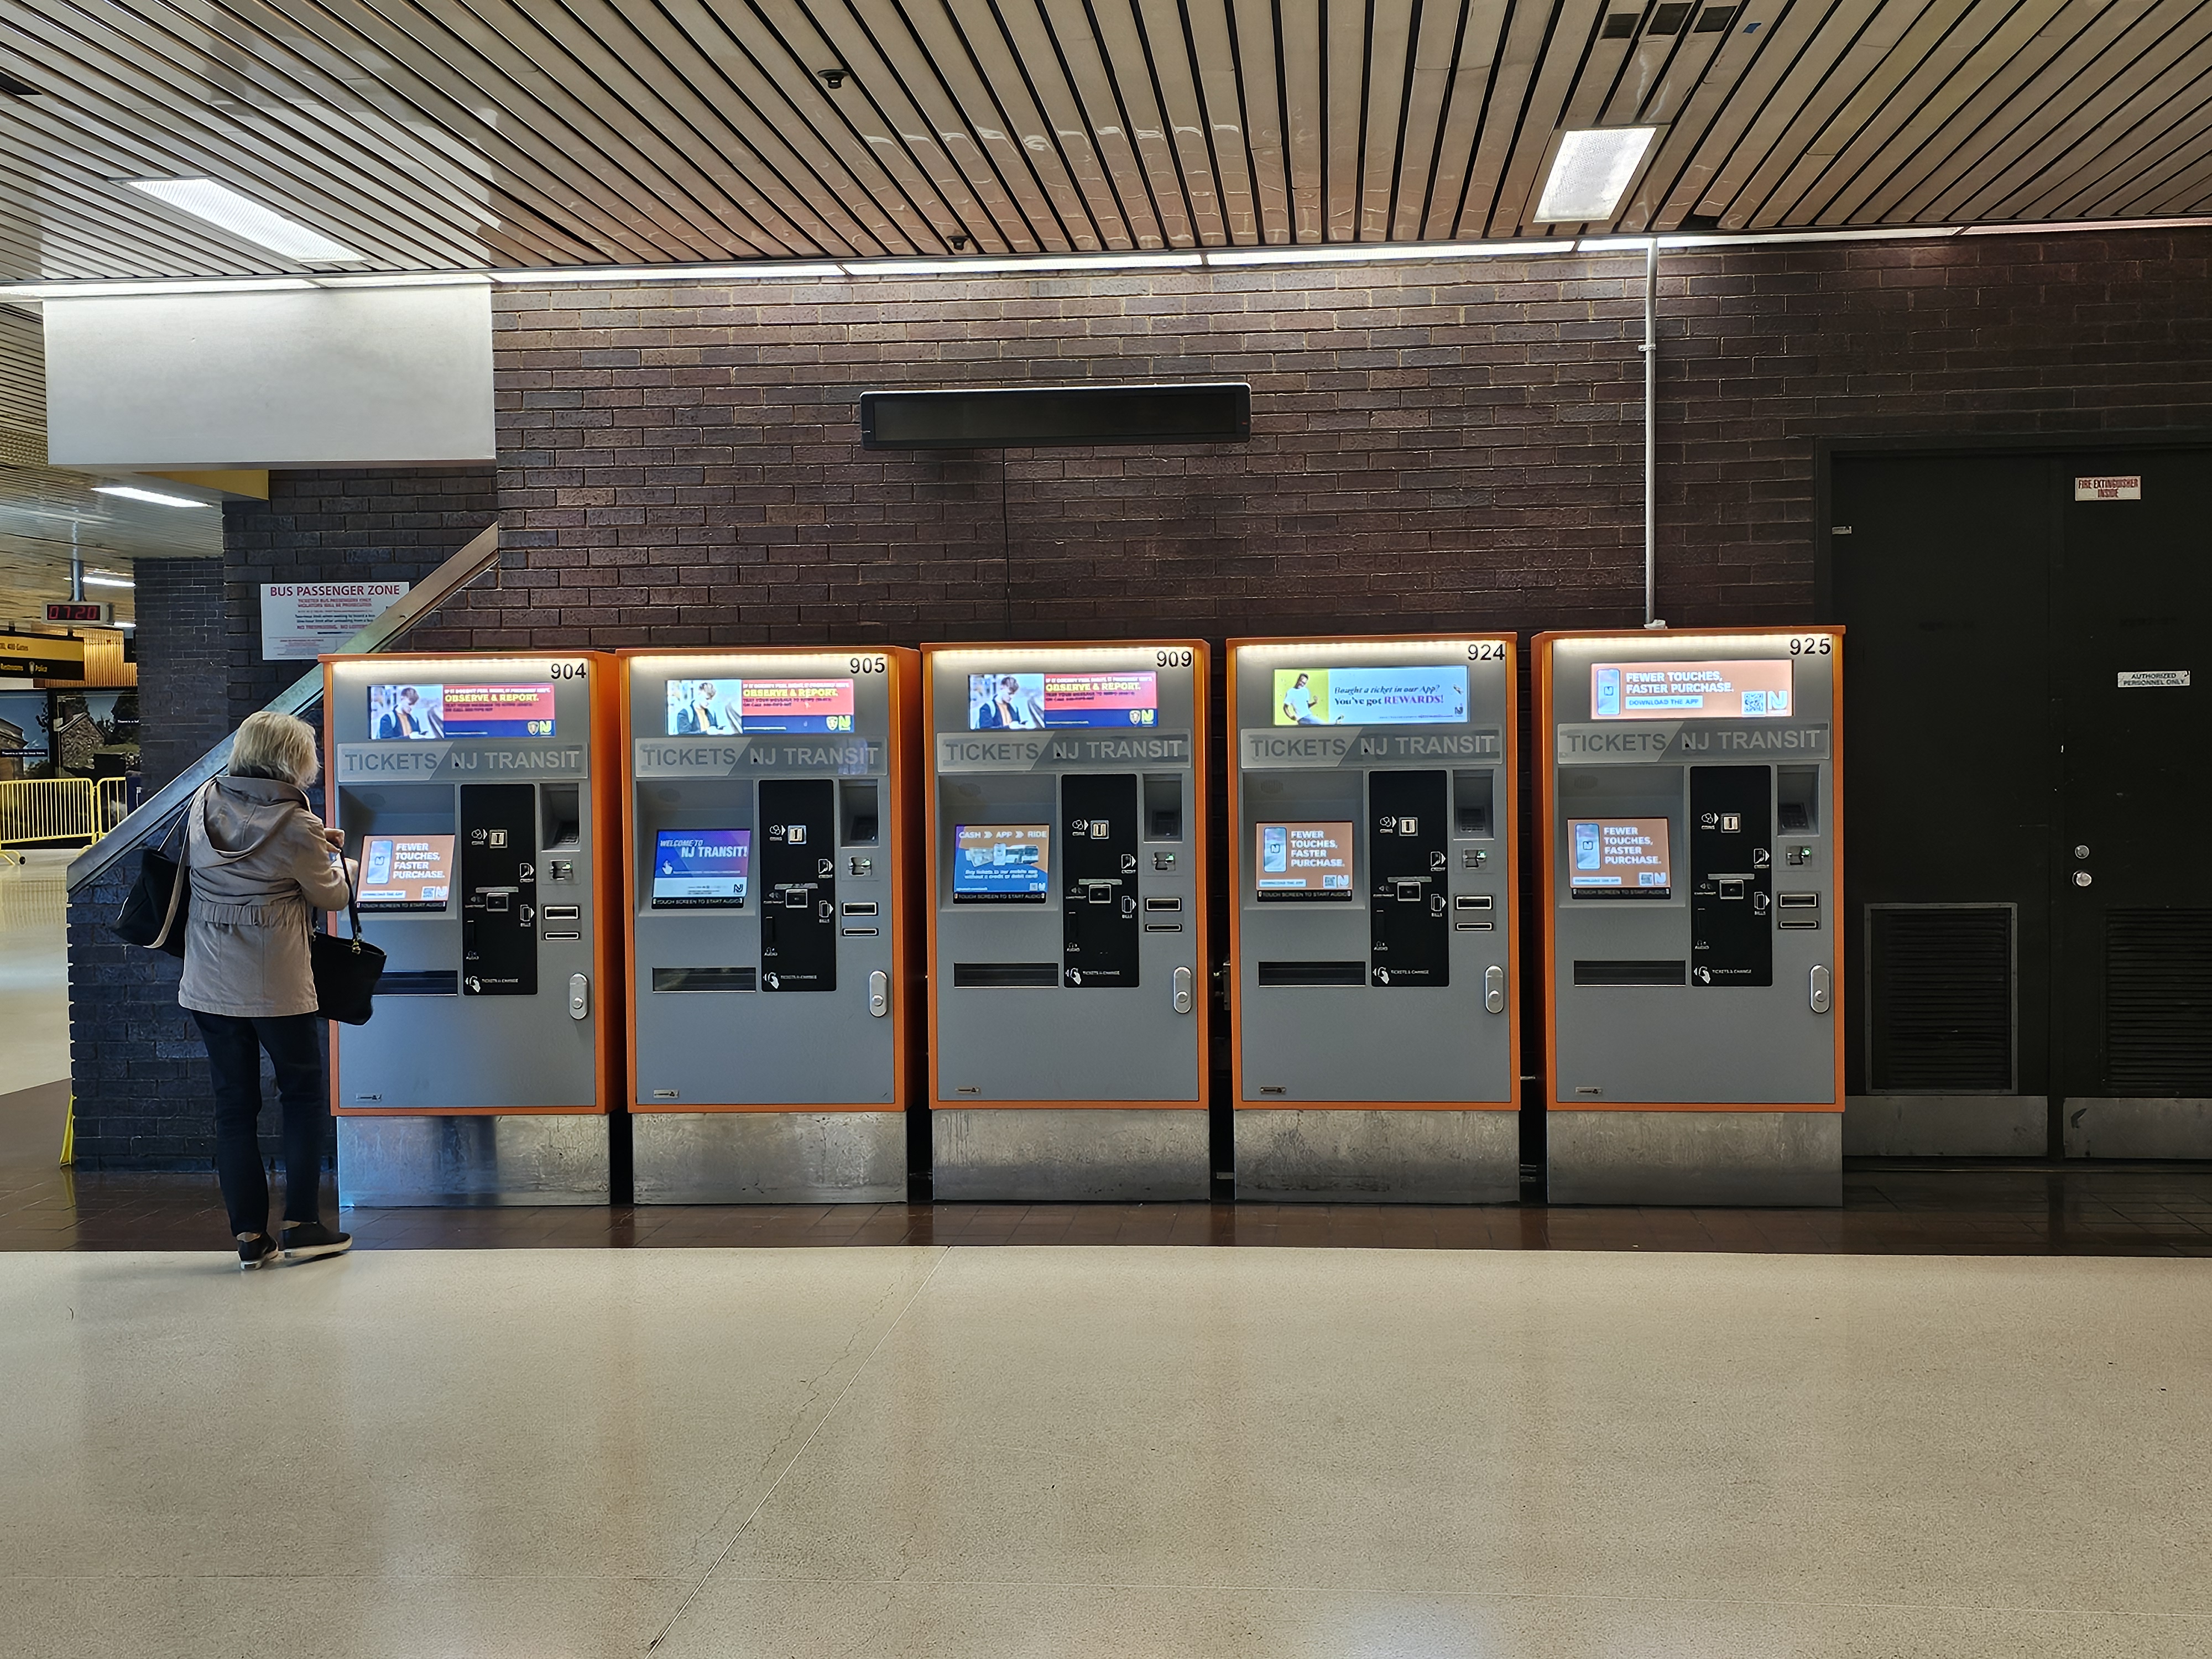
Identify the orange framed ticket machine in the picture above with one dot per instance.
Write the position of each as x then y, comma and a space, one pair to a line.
1690, 817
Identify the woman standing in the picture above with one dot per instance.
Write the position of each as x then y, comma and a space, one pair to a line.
261, 864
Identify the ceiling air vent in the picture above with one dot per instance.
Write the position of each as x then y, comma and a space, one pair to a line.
2158, 1002
1940, 999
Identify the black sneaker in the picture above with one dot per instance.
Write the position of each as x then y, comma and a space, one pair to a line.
305, 1240
257, 1251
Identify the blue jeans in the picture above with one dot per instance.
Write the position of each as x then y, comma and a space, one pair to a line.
295, 1050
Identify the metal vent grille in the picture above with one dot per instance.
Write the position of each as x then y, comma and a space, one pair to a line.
2158, 1002
1940, 999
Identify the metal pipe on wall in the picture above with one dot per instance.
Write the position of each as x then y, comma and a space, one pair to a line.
1651, 349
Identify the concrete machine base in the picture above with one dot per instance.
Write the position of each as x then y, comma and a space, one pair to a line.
1071, 1153
768, 1157
1793, 1159
1312, 1155
457, 1161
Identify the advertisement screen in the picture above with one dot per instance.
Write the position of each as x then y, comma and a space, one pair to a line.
421, 712
1001, 863
1689, 690
697, 869
724, 708
1371, 696
1304, 860
1618, 858
1036, 703
406, 873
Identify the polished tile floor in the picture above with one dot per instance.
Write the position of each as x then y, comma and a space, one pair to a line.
935, 1451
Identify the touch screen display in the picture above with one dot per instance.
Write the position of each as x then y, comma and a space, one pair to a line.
1371, 696
1034, 702
699, 869
1689, 690
1001, 863
1304, 860
705, 707
459, 711
1618, 858
406, 873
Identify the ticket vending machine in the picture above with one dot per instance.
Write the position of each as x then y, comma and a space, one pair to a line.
774, 969
1691, 823
477, 792
1066, 920
1372, 920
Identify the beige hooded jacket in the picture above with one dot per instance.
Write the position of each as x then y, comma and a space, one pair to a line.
246, 946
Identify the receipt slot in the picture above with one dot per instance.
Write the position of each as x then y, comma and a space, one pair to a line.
477, 792
1690, 821
1372, 920
1066, 927
774, 972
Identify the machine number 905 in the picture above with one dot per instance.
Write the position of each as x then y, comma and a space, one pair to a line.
866, 665
1812, 644
1172, 658
566, 670
1486, 651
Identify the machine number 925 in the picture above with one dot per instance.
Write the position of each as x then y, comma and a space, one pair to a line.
1812, 644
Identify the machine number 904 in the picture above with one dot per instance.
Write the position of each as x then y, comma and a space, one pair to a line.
1486, 651
1812, 644
866, 665
566, 670
1172, 658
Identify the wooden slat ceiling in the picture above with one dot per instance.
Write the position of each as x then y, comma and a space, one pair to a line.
465, 134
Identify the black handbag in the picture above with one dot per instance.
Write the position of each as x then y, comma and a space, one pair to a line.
154, 913
346, 969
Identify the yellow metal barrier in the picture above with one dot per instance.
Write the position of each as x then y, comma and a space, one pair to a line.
60, 811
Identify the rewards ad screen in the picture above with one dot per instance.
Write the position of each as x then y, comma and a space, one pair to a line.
419, 712
1371, 696
697, 869
1001, 863
406, 873
1618, 858
1304, 860
1690, 690
1037, 702
726, 708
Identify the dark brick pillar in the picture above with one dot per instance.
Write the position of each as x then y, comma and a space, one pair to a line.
180, 663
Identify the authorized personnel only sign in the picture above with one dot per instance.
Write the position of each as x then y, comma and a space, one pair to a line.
2109, 489
302, 620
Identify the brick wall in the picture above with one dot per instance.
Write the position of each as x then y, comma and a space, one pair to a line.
334, 527
181, 653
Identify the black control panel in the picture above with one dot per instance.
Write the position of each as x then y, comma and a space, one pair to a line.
499, 889
1731, 875
1100, 928
799, 884
1409, 850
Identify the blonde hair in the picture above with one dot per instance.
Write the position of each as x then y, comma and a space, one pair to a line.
272, 746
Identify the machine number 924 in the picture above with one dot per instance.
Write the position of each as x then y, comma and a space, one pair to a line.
1812, 644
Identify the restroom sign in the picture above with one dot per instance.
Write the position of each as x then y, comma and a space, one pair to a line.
2108, 489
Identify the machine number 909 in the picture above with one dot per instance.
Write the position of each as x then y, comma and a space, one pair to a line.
1173, 659
866, 665
565, 671
1812, 644
1486, 651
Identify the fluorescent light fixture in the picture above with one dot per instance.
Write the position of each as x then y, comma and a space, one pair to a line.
109, 582
95, 290
247, 219
131, 493
975, 267
1591, 173
405, 279
1377, 252
764, 269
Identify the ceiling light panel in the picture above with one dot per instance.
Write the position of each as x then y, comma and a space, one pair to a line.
1590, 172
243, 217
131, 493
